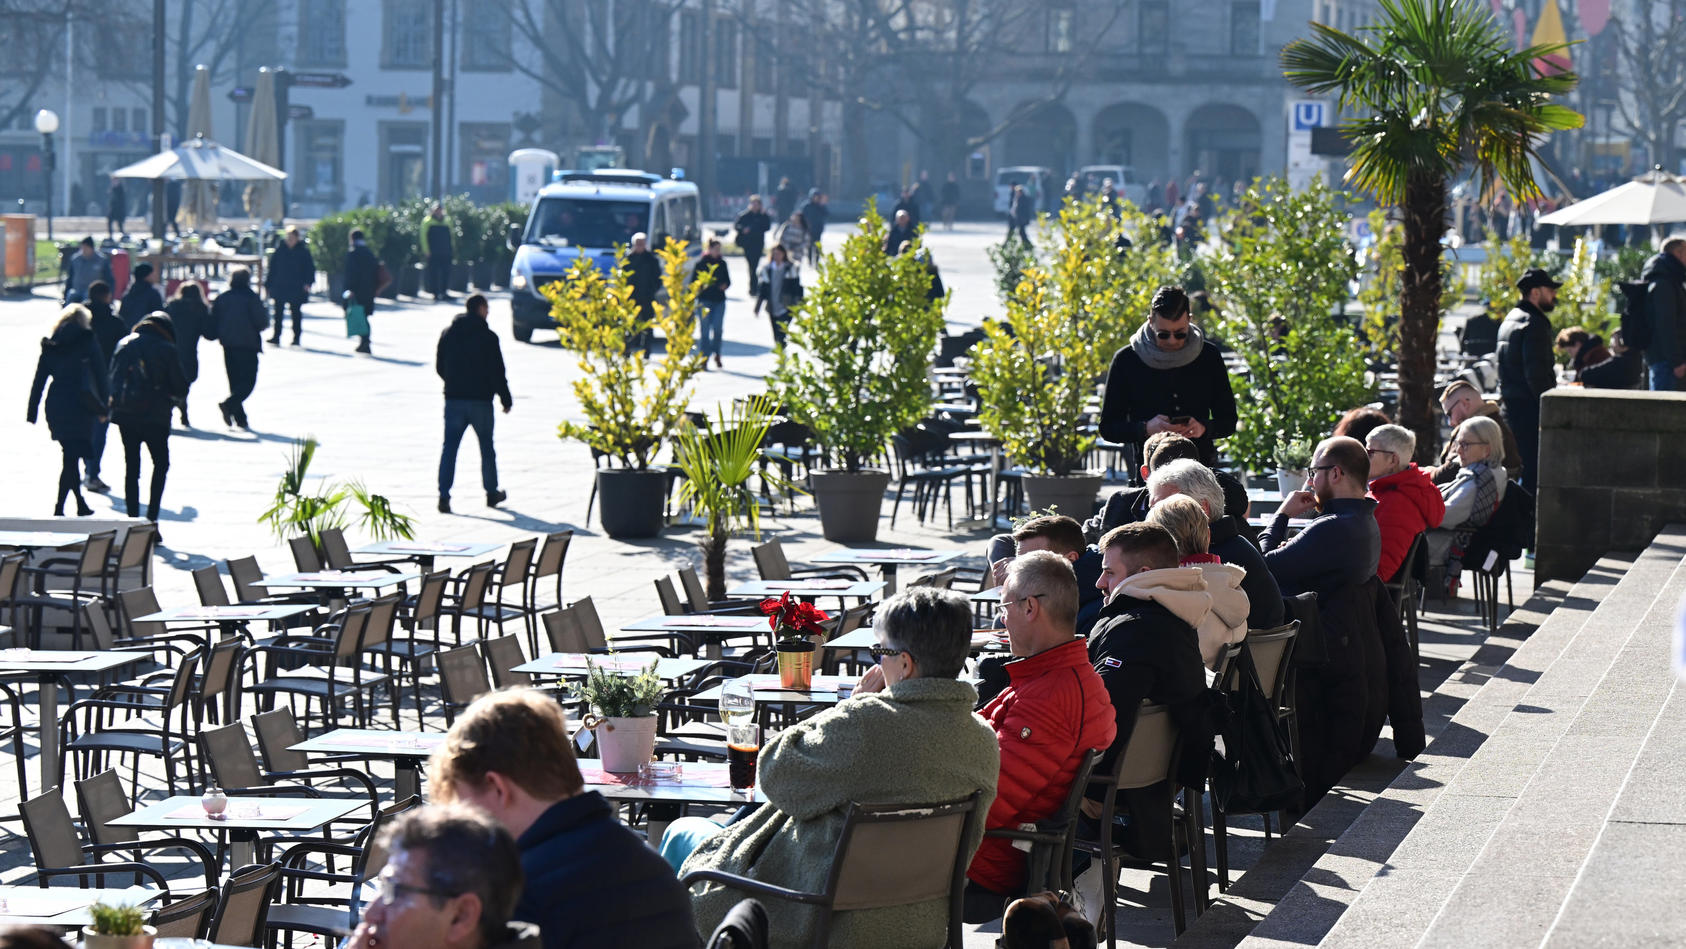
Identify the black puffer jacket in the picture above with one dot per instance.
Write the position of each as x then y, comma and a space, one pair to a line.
291, 271
470, 361
71, 359
1527, 358
146, 376
142, 299
238, 319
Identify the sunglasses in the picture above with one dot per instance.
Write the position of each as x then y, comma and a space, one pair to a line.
1170, 334
879, 653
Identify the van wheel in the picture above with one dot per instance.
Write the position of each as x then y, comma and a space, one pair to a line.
523, 333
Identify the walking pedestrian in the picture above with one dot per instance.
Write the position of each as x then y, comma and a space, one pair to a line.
145, 381
908, 205
143, 297
437, 239
470, 360
172, 205
816, 212
189, 316
794, 236
83, 268
1021, 210
712, 274
116, 209
108, 332
70, 357
784, 200
238, 320
644, 273
950, 198
903, 230
751, 227
779, 288
922, 197
362, 282
291, 272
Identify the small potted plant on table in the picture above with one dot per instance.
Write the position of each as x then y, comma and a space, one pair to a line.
798, 627
117, 926
623, 715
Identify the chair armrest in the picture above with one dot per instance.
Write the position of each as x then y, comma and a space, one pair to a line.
194, 847
351, 774
275, 790
833, 572
90, 869
753, 886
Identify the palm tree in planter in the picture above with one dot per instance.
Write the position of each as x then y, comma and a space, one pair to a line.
855, 369
632, 403
299, 511
1037, 368
1434, 86
718, 462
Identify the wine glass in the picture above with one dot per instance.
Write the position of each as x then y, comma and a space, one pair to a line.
737, 701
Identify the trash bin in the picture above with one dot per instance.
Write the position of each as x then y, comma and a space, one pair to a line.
119, 273
19, 246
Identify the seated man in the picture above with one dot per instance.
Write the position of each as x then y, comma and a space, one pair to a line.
1407, 502
1461, 401
1145, 648
1053, 711
451, 881
1131, 504
1264, 599
1063, 536
908, 736
591, 882
1185, 520
1343, 545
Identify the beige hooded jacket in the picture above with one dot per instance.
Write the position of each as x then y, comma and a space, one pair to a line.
1227, 623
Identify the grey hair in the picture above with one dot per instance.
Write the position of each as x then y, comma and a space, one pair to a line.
1183, 519
467, 851
1395, 438
1049, 575
934, 626
1193, 479
1486, 431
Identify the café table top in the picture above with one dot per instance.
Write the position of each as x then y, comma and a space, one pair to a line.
1264, 495
273, 813
983, 640
40, 539
991, 595
1294, 523
372, 743
891, 555
808, 588
698, 782
574, 664
64, 660
696, 621
64, 906
768, 691
237, 612
373, 578
426, 548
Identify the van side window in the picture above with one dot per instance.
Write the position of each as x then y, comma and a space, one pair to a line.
685, 218
660, 228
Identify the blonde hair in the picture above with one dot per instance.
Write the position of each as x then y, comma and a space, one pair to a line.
519, 733
1185, 520
74, 313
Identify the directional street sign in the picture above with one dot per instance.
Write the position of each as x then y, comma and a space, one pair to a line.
300, 112
321, 80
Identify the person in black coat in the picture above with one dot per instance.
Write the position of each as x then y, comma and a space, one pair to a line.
902, 231
1169, 379
362, 279
644, 273
108, 332
816, 211
751, 229
1021, 210
950, 201
1341, 547
145, 382
238, 319
784, 200
1527, 360
190, 317
1190, 477
116, 208
143, 298
470, 361
291, 272
71, 359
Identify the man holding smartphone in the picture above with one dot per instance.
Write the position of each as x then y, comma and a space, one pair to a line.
1169, 379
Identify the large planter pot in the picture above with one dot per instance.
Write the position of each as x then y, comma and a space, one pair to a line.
459, 277
796, 663
631, 503
336, 286
93, 940
1074, 495
626, 743
1289, 480
407, 281
483, 271
849, 503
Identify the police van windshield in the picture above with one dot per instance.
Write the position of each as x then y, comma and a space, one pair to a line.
586, 223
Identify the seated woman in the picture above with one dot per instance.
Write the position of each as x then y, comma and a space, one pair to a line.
908, 736
1186, 521
1471, 497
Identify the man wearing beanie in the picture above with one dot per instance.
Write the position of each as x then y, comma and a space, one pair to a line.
143, 296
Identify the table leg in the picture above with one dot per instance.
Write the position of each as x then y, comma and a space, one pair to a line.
405, 780
242, 849
47, 712
889, 579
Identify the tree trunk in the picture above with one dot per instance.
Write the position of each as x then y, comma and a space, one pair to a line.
714, 561
855, 154
1419, 309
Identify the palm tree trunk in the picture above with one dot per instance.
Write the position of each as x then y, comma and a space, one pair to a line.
1419, 309
714, 560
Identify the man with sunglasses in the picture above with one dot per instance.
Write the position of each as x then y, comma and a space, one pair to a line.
451, 881
1342, 546
1169, 379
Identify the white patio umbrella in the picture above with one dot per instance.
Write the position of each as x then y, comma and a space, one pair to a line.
200, 160
1653, 198
199, 198
263, 198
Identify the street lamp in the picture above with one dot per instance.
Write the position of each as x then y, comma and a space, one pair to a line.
47, 122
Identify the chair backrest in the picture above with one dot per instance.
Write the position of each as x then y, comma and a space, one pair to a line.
475, 579
553, 554
462, 678
51, 832
1272, 652
102, 800
305, 556
221, 679
940, 580
693, 587
278, 731
852, 619
518, 564
1408, 567
186, 918
140, 601
348, 639
383, 615
334, 548
429, 597
10, 566
208, 582
93, 614
1223, 672
371, 856
669, 597
503, 654
138, 543
245, 573
228, 755
181, 685
591, 625
770, 560
1146, 759
96, 553
243, 906
896, 855
562, 628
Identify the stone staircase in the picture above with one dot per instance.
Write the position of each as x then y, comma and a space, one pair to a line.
1547, 808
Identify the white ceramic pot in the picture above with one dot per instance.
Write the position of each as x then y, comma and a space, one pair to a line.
626, 743
93, 940
1288, 481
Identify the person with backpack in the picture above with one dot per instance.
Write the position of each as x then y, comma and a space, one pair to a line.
70, 357
1662, 331
143, 297
108, 332
238, 319
146, 380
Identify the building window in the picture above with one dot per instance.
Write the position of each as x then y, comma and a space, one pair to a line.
1062, 22
317, 176
726, 54
1244, 28
1155, 28
763, 53
137, 119
119, 120
484, 147
486, 41
100, 124
322, 33
690, 47
407, 34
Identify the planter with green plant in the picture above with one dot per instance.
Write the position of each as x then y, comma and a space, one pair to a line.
1293, 463
855, 369
117, 926
632, 402
798, 631
718, 462
623, 713
300, 511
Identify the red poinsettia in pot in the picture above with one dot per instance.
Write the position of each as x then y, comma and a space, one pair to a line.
796, 624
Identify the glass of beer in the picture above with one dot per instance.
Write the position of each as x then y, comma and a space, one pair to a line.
743, 743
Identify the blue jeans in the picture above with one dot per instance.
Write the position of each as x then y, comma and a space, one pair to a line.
684, 836
460, 415
1662, 378
96, 448
711, 323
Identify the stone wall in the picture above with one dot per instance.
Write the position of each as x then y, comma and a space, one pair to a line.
1612, 475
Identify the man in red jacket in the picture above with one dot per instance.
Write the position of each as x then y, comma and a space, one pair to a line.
1407, 501
1054, 709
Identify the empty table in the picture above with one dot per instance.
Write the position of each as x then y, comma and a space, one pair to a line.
423, 552
50, 667
824, 690
32, 540
808, 589
575, 664
229, 618
980, 437
333, 583
64, 907
407, 750
707, 629
245, 818
888, 559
